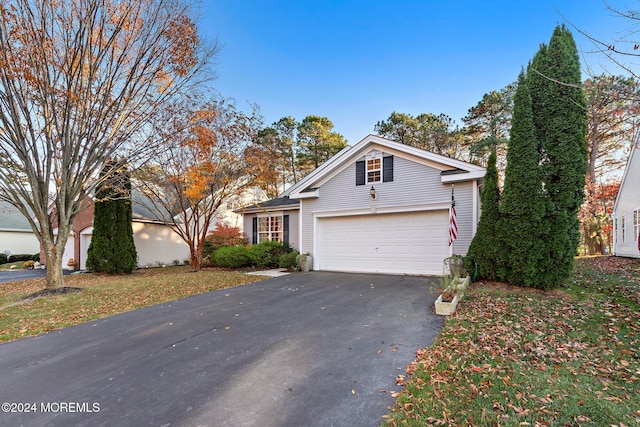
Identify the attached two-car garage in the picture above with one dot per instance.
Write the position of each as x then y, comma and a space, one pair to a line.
394, 243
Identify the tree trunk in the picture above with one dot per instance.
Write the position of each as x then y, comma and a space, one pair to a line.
196, 257
53, 265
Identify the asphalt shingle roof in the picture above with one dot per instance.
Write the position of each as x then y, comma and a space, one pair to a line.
11, 218
278, 202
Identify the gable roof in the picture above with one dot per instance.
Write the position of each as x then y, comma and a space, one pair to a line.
635, 148
279, 203
11, 219
452, 170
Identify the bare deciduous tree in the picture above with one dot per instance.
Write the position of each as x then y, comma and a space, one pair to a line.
79, 81
199, 168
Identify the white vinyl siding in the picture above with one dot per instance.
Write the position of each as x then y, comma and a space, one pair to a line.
158, 244
19, 242
414, 184
627, 209
294, 225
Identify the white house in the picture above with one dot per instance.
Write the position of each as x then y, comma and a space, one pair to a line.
16, 234
626, 210
377, 206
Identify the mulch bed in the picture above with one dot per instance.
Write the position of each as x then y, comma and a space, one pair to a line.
54, 291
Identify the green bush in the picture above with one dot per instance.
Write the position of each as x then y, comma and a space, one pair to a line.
288, 260
232, 257
267, 254
3, 259
24, 257
223, 235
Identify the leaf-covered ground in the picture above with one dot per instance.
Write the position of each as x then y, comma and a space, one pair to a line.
520, 357
25, 311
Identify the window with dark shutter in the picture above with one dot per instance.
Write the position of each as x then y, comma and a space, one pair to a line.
254, 233
387, 169
360, 173
285, 229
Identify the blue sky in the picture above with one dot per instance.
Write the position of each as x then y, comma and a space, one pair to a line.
357, 61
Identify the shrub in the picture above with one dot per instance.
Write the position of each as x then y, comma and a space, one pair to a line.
29, 264
3, 259
232, 257
267, 254
288, 260
221, 237
24, 257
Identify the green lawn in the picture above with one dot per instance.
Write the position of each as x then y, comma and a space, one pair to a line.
101, 296
518, 357
18, 265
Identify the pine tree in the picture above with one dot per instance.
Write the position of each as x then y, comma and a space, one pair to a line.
521, 224
485, 247
559, 111
112, 249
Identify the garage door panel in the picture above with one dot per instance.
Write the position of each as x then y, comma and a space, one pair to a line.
406, 243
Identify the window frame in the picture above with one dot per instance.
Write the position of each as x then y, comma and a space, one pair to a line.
636, 224
373, 169
270, 226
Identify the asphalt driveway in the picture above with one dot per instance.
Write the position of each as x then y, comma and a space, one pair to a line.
315, 349
14, 275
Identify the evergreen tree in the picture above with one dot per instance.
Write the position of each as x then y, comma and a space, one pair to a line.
317, 143
521, 224
485, 247
559, 111
112, 249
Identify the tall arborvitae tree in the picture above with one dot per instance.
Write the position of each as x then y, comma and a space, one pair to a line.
521, 225
559, 111
112, 249
485, 248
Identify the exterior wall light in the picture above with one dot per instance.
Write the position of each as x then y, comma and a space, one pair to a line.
372, 193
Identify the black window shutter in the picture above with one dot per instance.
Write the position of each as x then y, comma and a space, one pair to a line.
254, 234
285, 229
360, 174
387, 169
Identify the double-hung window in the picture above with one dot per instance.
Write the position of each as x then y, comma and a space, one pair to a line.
270, 229
374, 169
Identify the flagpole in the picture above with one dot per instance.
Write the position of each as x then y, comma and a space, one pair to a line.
453, 225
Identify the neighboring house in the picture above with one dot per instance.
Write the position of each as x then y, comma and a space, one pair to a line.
228, 212
626, 210
156, 242
378, 206
16, 234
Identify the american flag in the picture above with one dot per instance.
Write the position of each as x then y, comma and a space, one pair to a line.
453, 225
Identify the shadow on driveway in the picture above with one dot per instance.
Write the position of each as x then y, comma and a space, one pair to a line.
15, 275
315, 349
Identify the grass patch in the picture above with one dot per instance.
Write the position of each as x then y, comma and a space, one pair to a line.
521, 357
18, 265
22, 315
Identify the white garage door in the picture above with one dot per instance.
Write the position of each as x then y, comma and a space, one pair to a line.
68, 253
406, 243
